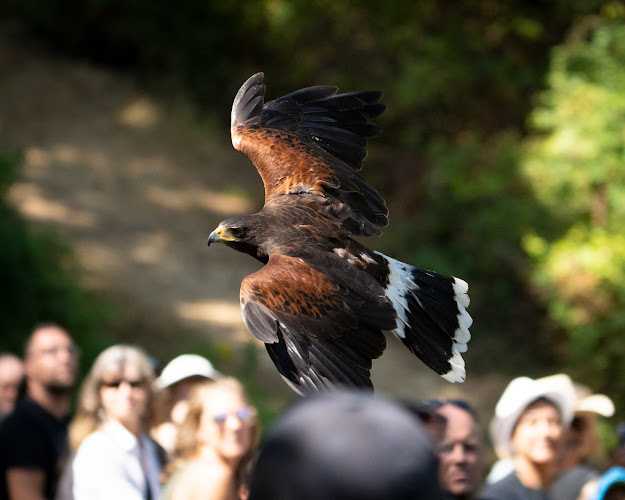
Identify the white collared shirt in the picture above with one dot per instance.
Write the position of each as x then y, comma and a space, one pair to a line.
107, 466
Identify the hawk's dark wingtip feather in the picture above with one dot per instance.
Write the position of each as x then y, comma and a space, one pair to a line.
248, 103
309, 94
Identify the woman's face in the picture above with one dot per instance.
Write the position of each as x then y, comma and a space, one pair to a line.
226, 424
538, 436
124, 395
180, 393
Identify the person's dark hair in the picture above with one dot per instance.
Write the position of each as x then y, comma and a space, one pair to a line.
346, 446
422, 410
615, 492
29, 340
458, 403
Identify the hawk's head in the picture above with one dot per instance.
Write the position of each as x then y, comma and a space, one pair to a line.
240, 233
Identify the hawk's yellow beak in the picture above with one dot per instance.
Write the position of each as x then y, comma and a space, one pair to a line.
219, 234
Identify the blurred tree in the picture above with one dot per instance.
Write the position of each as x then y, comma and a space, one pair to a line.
446, 67
575, 163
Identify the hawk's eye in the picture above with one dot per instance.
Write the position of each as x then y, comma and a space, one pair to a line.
236, 232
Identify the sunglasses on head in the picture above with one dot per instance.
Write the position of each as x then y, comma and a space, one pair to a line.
244, 414
116, 383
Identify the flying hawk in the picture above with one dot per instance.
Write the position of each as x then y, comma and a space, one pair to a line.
322, 301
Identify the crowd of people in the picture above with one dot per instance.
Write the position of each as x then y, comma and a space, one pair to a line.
191, 432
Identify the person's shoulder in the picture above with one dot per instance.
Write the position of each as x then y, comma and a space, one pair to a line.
22, 419
584, 472
570, 483
511, 488
28, 411
95, 450
94, 443
155, 447
203, 471
195, 468
194, 480
502, 489
24, 407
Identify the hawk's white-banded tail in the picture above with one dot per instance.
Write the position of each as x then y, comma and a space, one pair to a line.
432, 320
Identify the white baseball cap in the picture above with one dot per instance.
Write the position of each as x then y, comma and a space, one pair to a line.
520, 393
185, 366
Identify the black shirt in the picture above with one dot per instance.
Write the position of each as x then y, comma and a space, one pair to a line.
31, 438
511, 488
450, 496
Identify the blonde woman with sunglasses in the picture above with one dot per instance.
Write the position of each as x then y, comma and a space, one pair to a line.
114, 456
214, 445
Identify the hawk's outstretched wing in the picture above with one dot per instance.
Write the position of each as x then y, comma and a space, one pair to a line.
321, 329
312, 141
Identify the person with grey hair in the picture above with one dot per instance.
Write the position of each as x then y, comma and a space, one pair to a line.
460, 450
346, 446
114, 455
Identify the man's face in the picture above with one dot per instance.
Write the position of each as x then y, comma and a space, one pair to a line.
52, 360
460, 453
11, 373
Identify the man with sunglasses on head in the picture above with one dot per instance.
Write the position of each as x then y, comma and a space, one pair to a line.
460, 451
33, 439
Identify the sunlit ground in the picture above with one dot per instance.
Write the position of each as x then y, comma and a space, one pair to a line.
135, 185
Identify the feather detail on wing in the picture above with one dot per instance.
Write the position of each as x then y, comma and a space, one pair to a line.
318, 332
312, 140
432, 318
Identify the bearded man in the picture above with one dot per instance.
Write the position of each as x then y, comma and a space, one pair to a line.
33, 439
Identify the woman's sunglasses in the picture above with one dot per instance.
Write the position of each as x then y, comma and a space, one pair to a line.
244, 415
117, 382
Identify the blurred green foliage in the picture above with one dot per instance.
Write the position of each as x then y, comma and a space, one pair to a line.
528, 211
575, 164
446, 67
